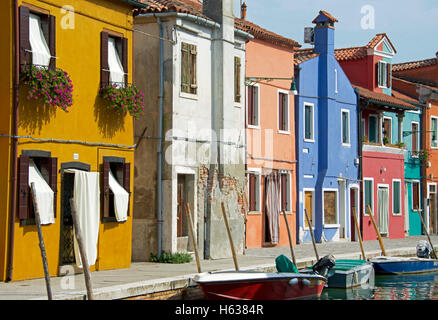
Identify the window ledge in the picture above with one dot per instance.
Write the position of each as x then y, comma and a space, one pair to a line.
346, 145
254, 213
253, 127
332, 225
188, 96
310, 141
283, 132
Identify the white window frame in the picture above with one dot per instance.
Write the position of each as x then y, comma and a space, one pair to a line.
278, 112
365, 212
336, 80
390, 134
331, 225
198, 47
382, 82
258, 173
418, 140
308, 104
399, 199
431, 141
348, 143
257, 106
288, 191
419, 195
312, 190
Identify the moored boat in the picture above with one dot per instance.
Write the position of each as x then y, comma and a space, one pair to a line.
252, 285
349, 273
403, 265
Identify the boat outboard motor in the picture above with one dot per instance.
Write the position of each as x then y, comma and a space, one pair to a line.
323, 266
424, 250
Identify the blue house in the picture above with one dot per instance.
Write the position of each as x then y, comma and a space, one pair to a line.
326, 140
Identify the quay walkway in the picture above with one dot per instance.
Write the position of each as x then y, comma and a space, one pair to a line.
146, 280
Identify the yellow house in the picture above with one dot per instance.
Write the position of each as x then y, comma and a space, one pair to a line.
91, 41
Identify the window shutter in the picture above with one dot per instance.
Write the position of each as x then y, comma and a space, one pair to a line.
284, 192
127, 178
23, 187
251, 105
105, 188
185, 77
252, 192
125, 58
193, 80
53, 180
25, 56
237, 66
104, 66
415, 199
307, 122
388, 75
378, 80
52, 42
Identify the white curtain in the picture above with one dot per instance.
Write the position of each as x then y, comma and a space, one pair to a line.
273, 205
86, 197
44, 195
40, 49
121, 199
117, 74
383, 216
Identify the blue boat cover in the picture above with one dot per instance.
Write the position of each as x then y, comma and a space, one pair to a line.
284, 264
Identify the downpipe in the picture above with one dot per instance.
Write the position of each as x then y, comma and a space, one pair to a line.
160, 144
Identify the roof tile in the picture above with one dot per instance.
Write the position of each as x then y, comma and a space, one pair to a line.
383, 98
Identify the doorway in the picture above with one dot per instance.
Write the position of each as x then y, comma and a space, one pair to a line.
383, 209
342, 209
181, 218
432, 208
354, 209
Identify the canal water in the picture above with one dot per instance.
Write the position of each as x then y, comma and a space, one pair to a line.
390, 287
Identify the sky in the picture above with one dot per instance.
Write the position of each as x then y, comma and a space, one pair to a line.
411, 25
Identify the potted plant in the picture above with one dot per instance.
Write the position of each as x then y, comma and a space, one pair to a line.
124, 99
51, 86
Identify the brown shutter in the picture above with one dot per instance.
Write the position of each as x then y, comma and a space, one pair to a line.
125, 58
53, 180
284, 192
104, 66
23, 187
185, 82
281, 112
52, 42
25, 56
105, 188
415, 199
388, 75
193, 80
237, 79
251, 105
252, 192
377, 74
127, 178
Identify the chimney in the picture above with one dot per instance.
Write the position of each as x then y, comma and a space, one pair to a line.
243, 11
325, 33
218, 10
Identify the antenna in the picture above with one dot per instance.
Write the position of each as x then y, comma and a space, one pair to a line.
309, 35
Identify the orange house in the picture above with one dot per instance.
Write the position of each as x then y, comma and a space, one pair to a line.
271, 160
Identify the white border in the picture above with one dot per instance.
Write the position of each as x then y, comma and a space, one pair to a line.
418, 140
348, 144
400, 198
278, 111
192, 42
257, 106
332, 225
383, 120
257, 172
313, 208
365, 212
419, 195
313, 121
383, 186
433, 118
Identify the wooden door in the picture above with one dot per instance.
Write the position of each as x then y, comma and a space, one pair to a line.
433, 209
180, 208
308, 205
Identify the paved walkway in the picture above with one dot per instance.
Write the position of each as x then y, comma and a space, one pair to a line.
145, 277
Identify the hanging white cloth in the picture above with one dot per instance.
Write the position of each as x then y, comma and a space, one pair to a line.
40, 50
121, 199
86, 197
117, 75
44, 195
273, 205
383, 204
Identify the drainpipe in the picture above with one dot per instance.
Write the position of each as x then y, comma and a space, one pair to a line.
359, 153
12, 205
160, 143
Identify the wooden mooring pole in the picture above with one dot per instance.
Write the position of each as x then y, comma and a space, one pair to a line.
41, 241
82, 251
311, 234
290, 239
358, 234
377, 230
192, 234
233, 251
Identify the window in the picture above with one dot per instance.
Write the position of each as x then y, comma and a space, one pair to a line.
33, 162
368, 195
116, 183
415, 196
434, 135
114, 59
188, 68
345, 127
254, 191
237, 84
308, 207
336, 81
372, 129
37, 37
253, 105
362, 123
283, 111
415, 139
330, 207
308, 122
396, 197
285, 192
383, 74
387, 130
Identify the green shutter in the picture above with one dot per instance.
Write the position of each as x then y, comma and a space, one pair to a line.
345, 127
368, 193
308, 122
372, 129
396, 197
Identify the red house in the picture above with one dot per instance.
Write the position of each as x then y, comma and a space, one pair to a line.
381, 152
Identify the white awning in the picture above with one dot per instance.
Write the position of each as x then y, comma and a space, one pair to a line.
117, 74
121, 199
44, 194
40, 50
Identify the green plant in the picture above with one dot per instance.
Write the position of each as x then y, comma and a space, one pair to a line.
423, 155
385, 140
364, 139
401, 144
177, 258
124, 99
53, 87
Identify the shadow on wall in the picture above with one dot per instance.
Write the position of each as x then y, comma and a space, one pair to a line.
108, 121
33, 114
